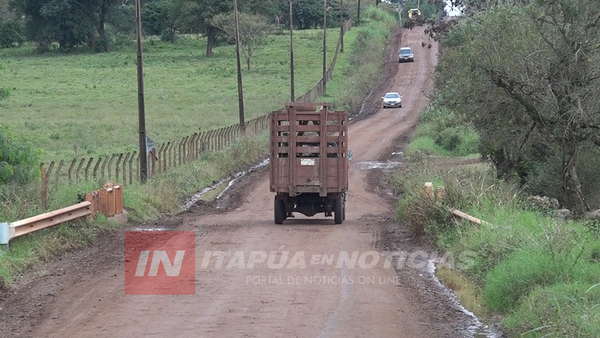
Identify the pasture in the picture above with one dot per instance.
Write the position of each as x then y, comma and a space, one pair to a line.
82, 105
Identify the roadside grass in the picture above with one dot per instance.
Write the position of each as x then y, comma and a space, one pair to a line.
86, 104
440, 133
166, 193
534, 269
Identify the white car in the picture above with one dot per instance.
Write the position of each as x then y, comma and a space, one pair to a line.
392, 99
405, 54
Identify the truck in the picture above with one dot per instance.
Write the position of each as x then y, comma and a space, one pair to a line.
309, 161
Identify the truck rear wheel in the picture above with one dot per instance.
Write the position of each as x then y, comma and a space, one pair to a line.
279, 209
338, 210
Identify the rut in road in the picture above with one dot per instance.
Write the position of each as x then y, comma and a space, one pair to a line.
318, 300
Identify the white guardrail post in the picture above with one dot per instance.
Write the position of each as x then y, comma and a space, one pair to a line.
4, 235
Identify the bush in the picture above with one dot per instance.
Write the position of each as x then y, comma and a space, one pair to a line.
19, 162
450, 135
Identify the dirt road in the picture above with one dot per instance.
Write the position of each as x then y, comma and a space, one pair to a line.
83, 296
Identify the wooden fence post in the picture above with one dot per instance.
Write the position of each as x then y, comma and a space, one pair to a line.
95, 172
44, 188
87, 168
125, 161
102, 175
69, 171
57, 175
77, 173
117, 167
131, 167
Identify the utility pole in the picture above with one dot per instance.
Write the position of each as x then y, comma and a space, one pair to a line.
324, 46
358, 13
239, 67
342, 26
141, 107
293, 96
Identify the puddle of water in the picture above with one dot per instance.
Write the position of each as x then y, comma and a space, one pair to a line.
468, 298
466, 293
377, 165
219, 187
150, 229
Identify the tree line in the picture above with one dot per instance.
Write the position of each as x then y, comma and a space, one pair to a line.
96, 24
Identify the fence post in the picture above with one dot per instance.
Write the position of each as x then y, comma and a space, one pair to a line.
131, 167
152, 156
95, 172
70, 170
87, 168
117, 167
106, 159
57, 175
77, 173
44, 188
125, 168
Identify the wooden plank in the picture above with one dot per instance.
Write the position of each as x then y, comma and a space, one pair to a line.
468, 217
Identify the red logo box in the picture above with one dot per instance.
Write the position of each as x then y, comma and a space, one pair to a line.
160, 263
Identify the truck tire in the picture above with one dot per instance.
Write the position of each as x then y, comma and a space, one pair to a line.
279, 209
338, 210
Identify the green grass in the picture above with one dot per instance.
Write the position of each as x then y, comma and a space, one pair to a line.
441, 133
536, 271
86, 104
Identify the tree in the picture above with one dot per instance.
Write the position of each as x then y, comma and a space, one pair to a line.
194, 16
156, 20
102, 9
68, 22
528, 78
11, 34
253, 31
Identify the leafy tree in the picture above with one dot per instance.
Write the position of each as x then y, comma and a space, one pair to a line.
253, 30
528, 78
102, 8
194, 16
11, 33
69, 22
18, 161
308, 14
156, 20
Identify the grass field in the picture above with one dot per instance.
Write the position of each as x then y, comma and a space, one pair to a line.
86, 104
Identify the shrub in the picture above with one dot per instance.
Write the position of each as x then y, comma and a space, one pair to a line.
19, 162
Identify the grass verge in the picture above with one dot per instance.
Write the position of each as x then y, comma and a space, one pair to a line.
539, 272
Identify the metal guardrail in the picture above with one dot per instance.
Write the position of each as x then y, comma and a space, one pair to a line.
107, 201
49, 219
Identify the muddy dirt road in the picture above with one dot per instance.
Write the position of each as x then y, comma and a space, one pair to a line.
83, 296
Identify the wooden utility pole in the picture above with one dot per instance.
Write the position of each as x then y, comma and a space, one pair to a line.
358, 13
292, 95
239, 67
342, 26
141, 107
324, 46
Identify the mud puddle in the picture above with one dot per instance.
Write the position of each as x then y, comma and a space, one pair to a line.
467, 297
217, 190
377, 165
